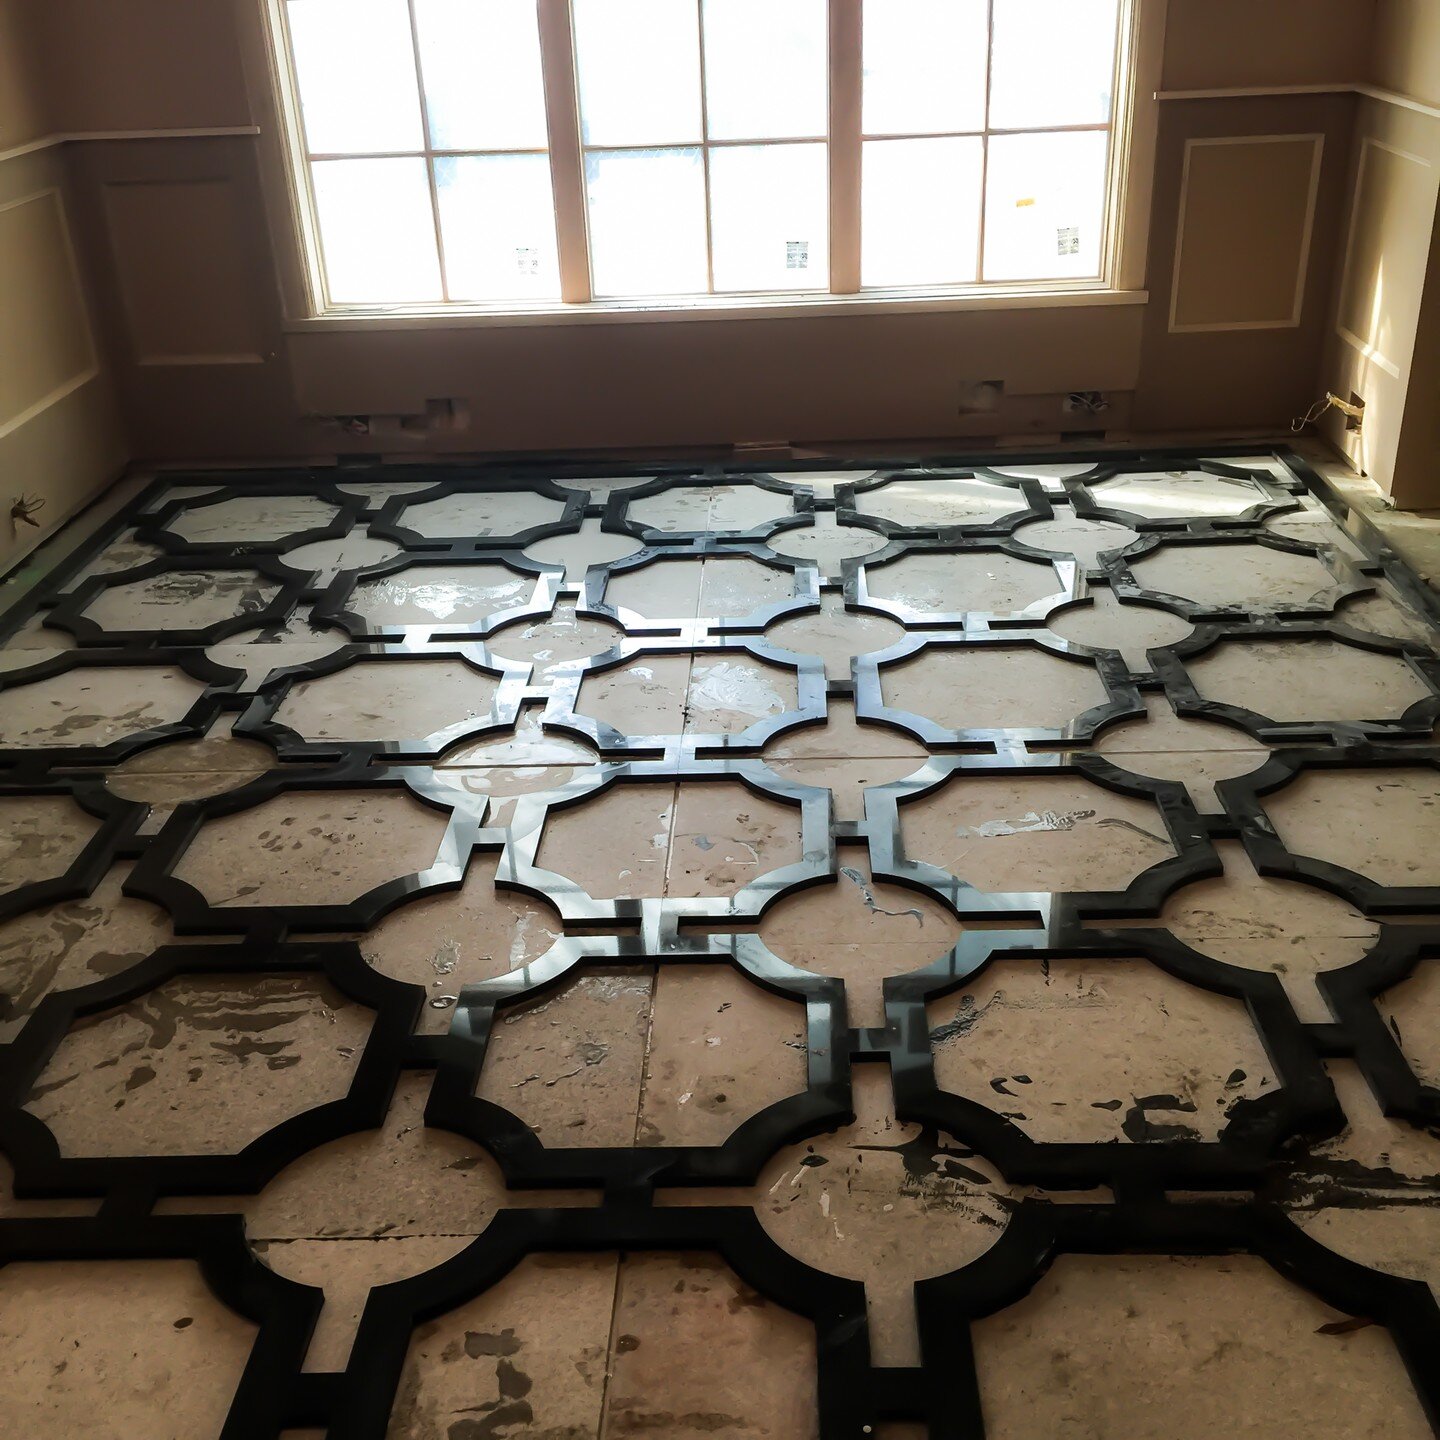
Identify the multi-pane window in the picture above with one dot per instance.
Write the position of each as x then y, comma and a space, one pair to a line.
424, 125
514, 153
986, 150
704, 129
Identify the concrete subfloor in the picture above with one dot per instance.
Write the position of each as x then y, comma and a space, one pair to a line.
676, 1344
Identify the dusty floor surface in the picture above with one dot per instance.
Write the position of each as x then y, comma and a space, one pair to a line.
817, 955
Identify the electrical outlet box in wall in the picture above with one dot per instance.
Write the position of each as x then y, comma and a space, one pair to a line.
981, 397
440, 417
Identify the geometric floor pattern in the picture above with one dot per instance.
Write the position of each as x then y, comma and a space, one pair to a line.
927, 951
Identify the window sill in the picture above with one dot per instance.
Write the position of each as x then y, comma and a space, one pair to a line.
728, 307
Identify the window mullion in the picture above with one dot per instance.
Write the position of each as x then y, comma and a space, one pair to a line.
985, 139
845, 79
428, 140
705, 152
567, 161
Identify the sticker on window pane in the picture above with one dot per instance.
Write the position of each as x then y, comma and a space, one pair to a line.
497, 214
376, 231
1045, 212
647, 221
768, 212
920, 211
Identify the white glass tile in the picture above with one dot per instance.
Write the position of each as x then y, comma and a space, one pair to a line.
377, 230
647, 222
920, 211
765, 69
1045, 206
355, 68
769, 217
924, 66
497, 216
638, 65
481, 64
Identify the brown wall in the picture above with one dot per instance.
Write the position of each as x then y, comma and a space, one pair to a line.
232, 381
1383, 343
140, 64
1234, 241
1407, 48
60, 435
1227, 44
23, 111
207, 365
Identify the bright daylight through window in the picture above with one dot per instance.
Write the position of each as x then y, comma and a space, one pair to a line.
526, 154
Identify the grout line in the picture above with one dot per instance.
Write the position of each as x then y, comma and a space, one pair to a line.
1163, 750
603, 1421
670, 838
646, 1053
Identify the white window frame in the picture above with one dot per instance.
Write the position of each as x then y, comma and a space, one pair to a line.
1123, 256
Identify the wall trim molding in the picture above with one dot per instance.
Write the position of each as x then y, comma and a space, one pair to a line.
1302, 274
81, 137
11, 423
1251, 92
1367, 349
764, 307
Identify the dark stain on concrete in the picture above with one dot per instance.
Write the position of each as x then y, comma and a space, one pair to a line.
478, 1343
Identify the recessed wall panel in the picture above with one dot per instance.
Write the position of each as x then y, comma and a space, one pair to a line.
186, 275
1247, 208
1388, 254
45, 344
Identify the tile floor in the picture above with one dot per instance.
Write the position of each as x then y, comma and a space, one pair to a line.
813, 954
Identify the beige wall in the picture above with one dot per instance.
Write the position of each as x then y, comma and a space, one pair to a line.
174, 63
1407, 59
208, 367
60, 435
1383, 344
1223, 44
1238, 253
229, 379
1406, 48
140, 64
1383, 312
23, 111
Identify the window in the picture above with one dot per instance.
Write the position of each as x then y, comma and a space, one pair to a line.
533, 154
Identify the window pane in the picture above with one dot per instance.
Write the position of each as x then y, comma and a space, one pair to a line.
638, 63
770, 217
497, 216
1054, 63
481, 64
1044, 206
920, 211
765, 69
355, 66
377, 230
924, 66
647, 221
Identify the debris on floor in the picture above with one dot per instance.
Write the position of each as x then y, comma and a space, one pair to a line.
691, 952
